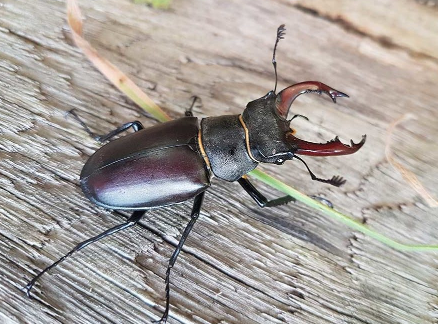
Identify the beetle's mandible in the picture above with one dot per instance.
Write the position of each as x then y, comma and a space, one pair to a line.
175, 161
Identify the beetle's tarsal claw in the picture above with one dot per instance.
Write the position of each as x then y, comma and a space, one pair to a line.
29, 286
27, 289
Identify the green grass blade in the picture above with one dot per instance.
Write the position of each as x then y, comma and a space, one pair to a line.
350, 222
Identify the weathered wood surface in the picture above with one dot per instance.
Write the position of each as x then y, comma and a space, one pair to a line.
241, 264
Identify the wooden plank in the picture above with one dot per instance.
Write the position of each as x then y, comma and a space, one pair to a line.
241, 264
392, 24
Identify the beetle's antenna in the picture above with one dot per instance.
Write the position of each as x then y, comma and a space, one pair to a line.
280, 35
336, 181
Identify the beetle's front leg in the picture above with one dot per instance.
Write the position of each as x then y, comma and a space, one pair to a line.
136, 126
258, 196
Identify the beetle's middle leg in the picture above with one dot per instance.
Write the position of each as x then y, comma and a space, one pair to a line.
131, 221
258, 196
136, 126
194, 216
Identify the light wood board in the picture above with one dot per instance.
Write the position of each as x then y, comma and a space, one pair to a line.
241, 264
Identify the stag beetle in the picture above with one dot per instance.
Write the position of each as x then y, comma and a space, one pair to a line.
175, 161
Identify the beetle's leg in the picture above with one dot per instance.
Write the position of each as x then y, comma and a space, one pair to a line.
194, 216
135, 217
136, 126
336, 181
258, 196
189, 112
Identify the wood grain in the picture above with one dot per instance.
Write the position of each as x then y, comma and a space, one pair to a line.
241, 264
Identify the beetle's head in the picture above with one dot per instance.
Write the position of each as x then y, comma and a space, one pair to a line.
270, 138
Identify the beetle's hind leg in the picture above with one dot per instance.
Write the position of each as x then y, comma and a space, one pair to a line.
134, 219
136, 126
258, 196
193, 217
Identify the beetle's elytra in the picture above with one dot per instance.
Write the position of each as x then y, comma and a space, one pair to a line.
174, 161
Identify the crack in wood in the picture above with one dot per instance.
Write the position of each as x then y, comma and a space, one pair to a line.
349, 26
